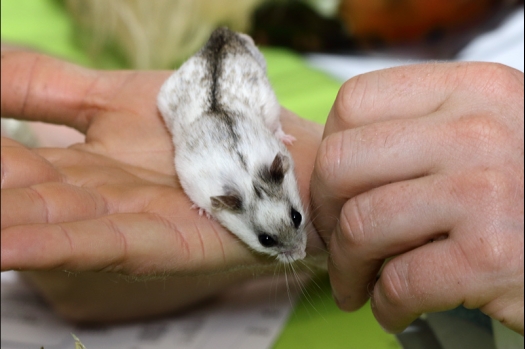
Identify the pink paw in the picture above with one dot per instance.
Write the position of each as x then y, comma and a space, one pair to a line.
201, 211
286, 139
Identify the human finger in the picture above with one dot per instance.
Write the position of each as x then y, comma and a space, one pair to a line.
388, 94
410, 91
453, 126
80, 167
431, 278
382, 223
87, 192
41, 88
22, 167
445, 274
479, 264
356, 160
50, 203
134, 244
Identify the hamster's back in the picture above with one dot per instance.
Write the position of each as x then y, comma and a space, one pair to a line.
227, 74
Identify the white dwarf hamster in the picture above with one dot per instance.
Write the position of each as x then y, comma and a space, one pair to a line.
229, 152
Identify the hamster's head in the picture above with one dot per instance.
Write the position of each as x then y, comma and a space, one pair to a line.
269, 216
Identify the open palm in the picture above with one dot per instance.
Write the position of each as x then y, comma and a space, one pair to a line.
112, 203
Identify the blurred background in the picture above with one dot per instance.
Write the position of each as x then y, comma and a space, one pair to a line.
161, 34
311, 48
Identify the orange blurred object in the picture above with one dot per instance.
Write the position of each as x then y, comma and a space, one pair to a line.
390, 22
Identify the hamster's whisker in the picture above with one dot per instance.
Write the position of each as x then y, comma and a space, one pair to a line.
304, 290
311, 273
286, 266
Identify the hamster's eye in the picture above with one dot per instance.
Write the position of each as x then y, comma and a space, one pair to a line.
296, 218
266, 240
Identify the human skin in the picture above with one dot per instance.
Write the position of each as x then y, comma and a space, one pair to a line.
113, 205
420, 173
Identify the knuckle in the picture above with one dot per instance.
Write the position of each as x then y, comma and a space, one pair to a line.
482, 133
350, 98
500, 79
402, 286
494, 204
35, 195
329, 158
496, 118
488, 189
393, 284
499, 238
499, 185
486, 255
119, 241
494, 256
340, 152
353, 224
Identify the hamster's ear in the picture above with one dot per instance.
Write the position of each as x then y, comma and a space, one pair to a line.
275, 173
279, 166
230, 202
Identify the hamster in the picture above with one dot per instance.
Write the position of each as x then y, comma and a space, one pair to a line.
229, 145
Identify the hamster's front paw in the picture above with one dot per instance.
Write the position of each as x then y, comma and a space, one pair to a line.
201, 211
286, 139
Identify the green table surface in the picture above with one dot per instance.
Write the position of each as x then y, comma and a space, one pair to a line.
316, 322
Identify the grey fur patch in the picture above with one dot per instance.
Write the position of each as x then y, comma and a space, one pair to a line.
242, 160
271, 190
222, 43
274, 174
230, 202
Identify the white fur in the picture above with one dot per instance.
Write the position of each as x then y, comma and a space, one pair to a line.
203, 159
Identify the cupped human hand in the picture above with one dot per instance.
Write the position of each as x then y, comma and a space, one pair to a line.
112, 203
419, 179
